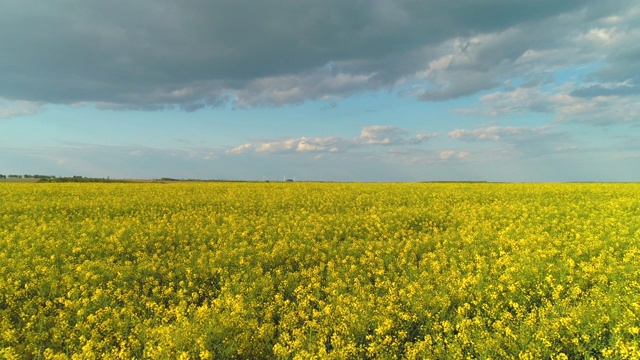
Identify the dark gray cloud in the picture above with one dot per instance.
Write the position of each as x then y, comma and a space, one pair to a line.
152, 54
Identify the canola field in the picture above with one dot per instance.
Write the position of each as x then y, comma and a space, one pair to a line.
319, 270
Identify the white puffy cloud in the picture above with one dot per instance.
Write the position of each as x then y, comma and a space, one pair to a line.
384, 135
240, 149
278, 146
370, 136
446, 154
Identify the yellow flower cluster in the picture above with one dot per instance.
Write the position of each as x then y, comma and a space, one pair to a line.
319, 270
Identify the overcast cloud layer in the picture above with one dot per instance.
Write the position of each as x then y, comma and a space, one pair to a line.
157, 54
377, 90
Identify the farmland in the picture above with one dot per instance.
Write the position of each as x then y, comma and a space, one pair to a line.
324, 270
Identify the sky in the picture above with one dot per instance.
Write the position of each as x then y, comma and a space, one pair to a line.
333, 90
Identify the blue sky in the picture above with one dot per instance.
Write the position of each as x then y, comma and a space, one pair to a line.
375, 90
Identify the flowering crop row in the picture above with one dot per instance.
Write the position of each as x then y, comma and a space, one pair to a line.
310, 270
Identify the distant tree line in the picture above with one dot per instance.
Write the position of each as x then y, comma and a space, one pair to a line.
82, 179
27, 176
53, 178
76, 178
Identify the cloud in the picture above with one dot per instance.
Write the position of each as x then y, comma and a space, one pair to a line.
516, 101
446, 154
157, 54
369, 136
331, 144
385, 135
305, 145
240, 149
528, 54
507, 143
390, 135
498, 133
452, 154
628, 87
563, 104
9, 109
294, 89
278, 146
